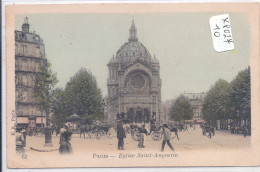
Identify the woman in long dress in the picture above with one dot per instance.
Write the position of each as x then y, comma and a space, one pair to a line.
65, 137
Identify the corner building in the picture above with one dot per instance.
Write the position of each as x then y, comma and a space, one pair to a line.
29, 59
134, 84
196, 101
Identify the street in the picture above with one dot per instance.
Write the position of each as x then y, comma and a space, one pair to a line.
190, 141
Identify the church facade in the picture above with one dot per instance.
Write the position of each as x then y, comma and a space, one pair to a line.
134, 84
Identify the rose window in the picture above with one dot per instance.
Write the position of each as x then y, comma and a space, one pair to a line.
138, 81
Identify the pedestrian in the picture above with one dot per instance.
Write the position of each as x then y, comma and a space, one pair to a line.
213, 130
89, 131
175, 130
209, 130
203, 130
141, 132
57, 130
19, 141
186, 127
65, 137
24, 136
82, 130
166, 137
245, 131
120, 135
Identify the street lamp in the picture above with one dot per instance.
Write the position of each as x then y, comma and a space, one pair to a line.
48, 139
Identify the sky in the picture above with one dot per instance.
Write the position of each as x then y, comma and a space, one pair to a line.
181, 42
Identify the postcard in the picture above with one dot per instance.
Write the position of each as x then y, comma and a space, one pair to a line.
132, 85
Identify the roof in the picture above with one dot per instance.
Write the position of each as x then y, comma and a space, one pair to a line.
27, 37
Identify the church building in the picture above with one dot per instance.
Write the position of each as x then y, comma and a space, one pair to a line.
134, 84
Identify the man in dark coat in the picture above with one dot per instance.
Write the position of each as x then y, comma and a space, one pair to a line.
120, 135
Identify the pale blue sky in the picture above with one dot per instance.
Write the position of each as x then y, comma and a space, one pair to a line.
181, 41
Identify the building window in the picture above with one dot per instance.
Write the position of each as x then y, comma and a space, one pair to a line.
24, 49
37, 66
24, 80
24, 64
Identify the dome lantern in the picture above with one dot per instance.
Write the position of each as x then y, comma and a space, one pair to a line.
133, 31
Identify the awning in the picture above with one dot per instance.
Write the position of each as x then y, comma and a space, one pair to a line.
188, 120
22, 120
200, 120
40, 120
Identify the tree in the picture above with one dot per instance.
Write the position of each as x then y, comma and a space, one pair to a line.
58, 107
216, 104
45, 82
181, 109
82, 95
241, 95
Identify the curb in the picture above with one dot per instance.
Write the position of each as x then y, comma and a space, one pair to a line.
41, 150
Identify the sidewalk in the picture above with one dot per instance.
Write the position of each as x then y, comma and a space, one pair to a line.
37, 143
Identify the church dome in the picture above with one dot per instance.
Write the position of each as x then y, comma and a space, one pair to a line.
132, 49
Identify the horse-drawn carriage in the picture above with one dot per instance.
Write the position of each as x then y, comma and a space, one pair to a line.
103, 130
241, 130
206, 128
97, 130
237, 129
156, 132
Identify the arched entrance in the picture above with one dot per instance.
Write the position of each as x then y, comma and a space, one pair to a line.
138, 115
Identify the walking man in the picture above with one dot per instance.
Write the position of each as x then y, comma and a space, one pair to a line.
82, 130
142, 131
120, 135
166, 137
